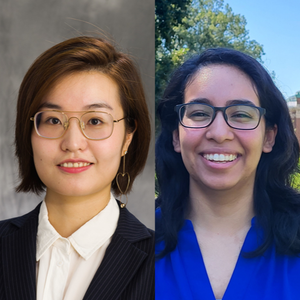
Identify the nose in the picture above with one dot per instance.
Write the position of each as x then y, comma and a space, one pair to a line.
73, 139
219, 130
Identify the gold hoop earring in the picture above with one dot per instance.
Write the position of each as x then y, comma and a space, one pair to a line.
123, 193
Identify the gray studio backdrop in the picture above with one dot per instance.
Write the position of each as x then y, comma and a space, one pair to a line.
29, 27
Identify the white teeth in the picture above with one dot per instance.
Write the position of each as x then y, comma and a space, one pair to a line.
75, 165
220, 157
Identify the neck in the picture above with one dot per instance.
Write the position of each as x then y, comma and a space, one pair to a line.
68, 213
226, 211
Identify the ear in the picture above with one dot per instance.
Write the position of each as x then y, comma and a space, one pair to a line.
269, 139
128, 139
127, 142
176, 141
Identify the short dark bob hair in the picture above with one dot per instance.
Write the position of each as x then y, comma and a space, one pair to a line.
276, 203
77, 55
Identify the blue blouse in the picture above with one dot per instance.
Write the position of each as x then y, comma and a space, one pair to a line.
182, 274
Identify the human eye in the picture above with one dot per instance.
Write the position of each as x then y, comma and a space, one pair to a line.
95, 122
50, 119
242, 113
96, 119
197, 113
53, 121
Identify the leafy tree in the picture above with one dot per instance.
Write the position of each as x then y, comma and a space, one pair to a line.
184, 28
168, 14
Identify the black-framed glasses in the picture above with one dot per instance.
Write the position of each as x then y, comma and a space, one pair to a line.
95, 125
237, 116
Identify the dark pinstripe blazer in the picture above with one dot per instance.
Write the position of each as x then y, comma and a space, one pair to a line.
126, 272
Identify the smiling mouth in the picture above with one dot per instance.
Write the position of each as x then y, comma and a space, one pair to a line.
75, 165
222, 158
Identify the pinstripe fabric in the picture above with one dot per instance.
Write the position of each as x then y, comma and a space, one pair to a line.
126, 272
17, 256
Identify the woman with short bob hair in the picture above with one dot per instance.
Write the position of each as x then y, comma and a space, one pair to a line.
78, 55
82, 131
228, 217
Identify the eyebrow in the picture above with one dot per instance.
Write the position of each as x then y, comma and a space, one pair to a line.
87, 107
50, 105
240, 101
229, 102
98, 105
201, 100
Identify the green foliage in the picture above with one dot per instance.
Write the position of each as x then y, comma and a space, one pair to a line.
168, 14
184, 28
296, 181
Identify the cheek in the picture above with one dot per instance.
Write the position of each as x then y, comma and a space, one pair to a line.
190, 139
36, 148
190, 143
43, 150
252, 142
108, 150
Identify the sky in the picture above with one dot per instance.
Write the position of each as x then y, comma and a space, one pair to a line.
276, 25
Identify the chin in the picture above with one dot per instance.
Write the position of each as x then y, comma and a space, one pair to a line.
71, 191
218, 184
78, 193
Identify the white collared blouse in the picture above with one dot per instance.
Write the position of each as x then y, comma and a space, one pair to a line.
66, 266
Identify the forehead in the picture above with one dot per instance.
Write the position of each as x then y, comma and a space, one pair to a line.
220, 84
83, 91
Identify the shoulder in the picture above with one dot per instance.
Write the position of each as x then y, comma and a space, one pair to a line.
133, 230
135, 238
135, 243
12, 225
158, 212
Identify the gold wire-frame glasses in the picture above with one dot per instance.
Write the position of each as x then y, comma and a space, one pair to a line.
94, 125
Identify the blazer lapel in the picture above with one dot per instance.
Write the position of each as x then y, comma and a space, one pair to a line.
18, 258
121, 261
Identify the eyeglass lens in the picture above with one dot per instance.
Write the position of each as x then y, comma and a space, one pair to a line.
237, 116
53, 124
